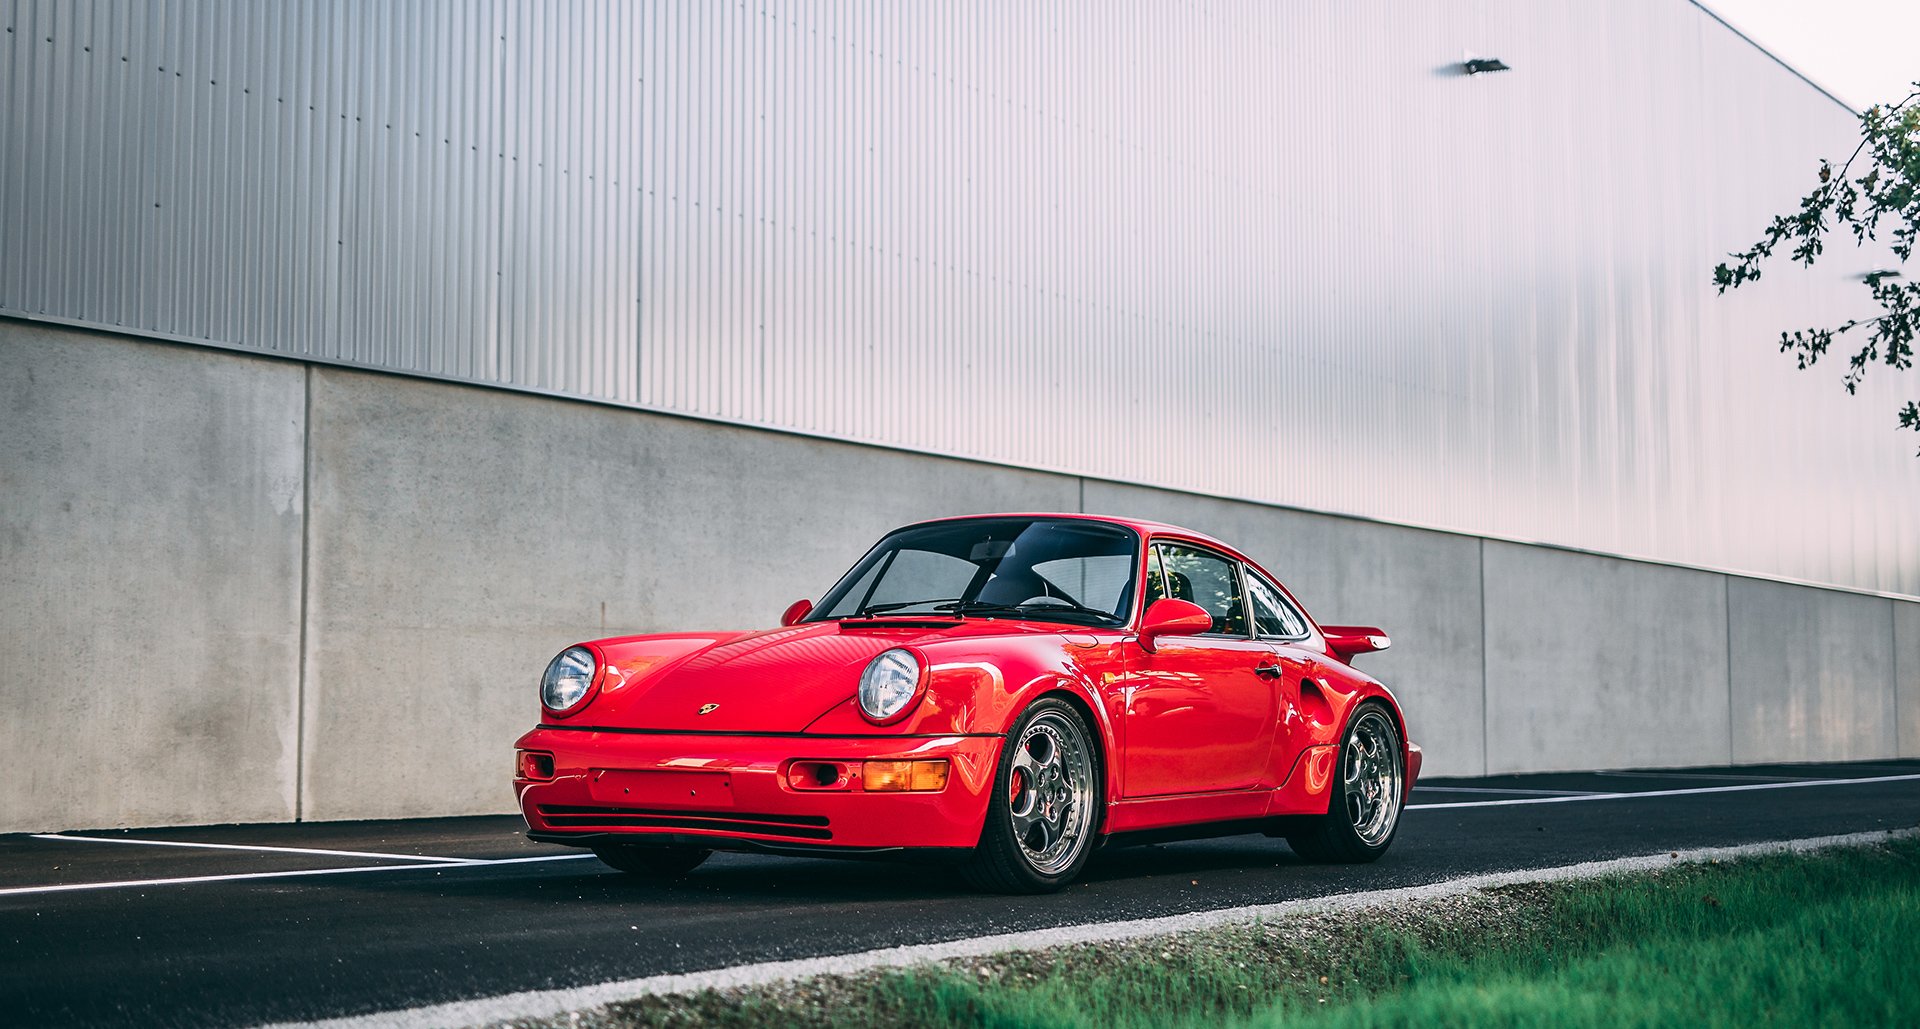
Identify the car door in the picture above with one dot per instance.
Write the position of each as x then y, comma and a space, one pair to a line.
1199, 710
1279, 624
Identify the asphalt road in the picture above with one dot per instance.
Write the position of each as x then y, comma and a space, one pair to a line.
397, 914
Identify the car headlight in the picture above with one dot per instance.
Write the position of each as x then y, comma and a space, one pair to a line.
569, 676
889, 685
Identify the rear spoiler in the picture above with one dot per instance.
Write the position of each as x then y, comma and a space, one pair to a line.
1348, 641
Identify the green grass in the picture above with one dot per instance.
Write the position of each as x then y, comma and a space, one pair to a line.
1825, 939
1823, 942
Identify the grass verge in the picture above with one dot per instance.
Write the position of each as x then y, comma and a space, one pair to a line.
1819, 939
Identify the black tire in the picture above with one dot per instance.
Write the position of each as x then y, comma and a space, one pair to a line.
1004, 861
651, 862
1351, 831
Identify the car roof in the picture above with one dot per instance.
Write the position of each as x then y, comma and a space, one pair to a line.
1140, 525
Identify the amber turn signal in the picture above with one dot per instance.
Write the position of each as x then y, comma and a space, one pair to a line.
904, 776
930, 775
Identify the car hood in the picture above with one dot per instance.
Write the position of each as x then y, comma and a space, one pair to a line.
777, 681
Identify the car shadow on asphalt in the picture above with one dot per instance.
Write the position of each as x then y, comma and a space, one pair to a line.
729, 881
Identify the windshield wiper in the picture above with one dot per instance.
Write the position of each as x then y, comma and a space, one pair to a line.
956, 608
875, 609
1053, 606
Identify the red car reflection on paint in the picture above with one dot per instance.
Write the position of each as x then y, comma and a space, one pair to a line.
1009, 690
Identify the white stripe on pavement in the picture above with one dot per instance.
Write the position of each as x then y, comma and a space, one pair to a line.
244, 846
126, 884
1703, 775
1744, 788
1423, 788
552, 1003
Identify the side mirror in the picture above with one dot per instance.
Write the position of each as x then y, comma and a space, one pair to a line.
795, 611
1171, 617
1349, 641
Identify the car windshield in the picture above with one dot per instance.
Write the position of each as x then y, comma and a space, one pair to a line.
1039, 569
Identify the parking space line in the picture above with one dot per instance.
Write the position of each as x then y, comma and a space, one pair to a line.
125, 884
1423, 788
242, 846
1743, 788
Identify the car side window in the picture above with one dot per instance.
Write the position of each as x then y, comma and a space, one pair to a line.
1156, 580
1272, 615
1209, 580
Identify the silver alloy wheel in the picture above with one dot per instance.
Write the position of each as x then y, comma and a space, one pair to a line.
1373, 778
1050, 792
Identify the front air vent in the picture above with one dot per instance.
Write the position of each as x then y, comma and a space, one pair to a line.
793, 827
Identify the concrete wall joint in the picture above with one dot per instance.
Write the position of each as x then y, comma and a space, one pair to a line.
306, 579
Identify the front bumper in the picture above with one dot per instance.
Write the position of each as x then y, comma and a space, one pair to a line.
732, 792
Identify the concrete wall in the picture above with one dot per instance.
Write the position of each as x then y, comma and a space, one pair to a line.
1814, 673
155, 502
1594, 662
150, 528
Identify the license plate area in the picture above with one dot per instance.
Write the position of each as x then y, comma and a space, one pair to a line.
646, 788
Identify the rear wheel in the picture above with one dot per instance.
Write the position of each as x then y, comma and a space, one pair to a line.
651, 862
1367, 795
1040, 817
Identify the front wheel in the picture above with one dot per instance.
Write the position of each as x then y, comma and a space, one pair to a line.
1040, 816
1367, 795
651, 862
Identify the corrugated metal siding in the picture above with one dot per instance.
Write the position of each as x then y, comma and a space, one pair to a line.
1275, 251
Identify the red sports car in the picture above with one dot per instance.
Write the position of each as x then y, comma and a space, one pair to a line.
1011, 691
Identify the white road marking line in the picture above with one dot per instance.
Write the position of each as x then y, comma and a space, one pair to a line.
534, 859
1423, 788
243, 846
1704, 775
1743, 788
127, 884
551, 1003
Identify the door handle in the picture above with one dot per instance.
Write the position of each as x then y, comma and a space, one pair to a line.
1267, 671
